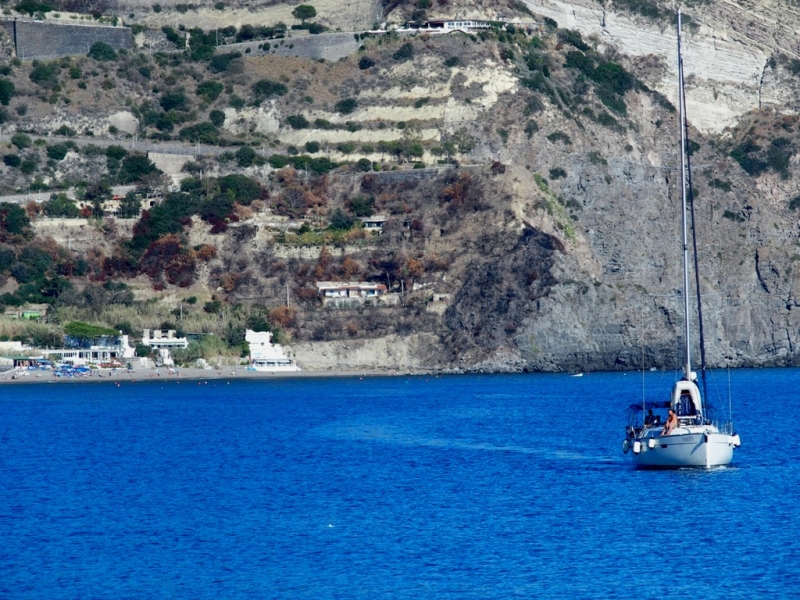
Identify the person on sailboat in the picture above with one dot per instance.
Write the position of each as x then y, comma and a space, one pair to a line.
651, 419
672, 423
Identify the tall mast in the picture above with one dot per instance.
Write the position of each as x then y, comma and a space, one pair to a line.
687, 368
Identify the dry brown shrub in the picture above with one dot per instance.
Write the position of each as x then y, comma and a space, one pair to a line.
206, 252
33, 209
284, 316
437, 263
180, 270
243, 212
350, 269
352, 329
230, 281
50, 245
415, 268
456, 192
306, 293
286, 176
95, 259
323, 269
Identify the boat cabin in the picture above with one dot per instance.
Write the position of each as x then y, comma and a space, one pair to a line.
685, 401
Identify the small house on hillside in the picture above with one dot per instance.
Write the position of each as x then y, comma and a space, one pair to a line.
374, 223
353, 291
466, 26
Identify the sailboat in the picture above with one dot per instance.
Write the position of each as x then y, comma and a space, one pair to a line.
688, 437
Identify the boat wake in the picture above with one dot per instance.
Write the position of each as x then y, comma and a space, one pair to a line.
394, 435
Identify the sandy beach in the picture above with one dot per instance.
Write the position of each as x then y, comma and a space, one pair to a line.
140, 374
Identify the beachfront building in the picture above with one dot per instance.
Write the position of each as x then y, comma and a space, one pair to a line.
107, 351
11, 347
163, 341
266, 356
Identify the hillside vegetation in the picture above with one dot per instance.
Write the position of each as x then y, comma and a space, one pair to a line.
524, 174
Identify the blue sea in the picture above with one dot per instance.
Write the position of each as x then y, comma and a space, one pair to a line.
458, 487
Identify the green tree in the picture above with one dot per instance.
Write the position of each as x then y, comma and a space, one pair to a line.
135, 167
404, 52
86, 331
6, 91
32, 7
362, 205
98, 194
297, 122
12, 160
45, 74
221, 62
130, 206
217, 117
116, 152
175, 100
57, 151
13, 222
21, 140
102, 52
60, 205
266, 88
209, 90
346, 106
303, 12
245, 156
205, 133
244, 189
341, 221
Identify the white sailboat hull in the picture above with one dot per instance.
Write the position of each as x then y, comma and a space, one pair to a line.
695, 447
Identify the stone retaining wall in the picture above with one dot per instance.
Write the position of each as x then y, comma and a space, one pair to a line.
42, 40
330, 46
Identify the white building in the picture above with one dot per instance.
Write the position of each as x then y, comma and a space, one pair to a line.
162, 339
465, 26
352, 289
266, 356
374, 223
164, 342
104, 354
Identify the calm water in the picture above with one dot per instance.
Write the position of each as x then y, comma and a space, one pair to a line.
456, 487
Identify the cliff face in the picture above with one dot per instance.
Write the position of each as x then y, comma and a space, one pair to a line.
728, 47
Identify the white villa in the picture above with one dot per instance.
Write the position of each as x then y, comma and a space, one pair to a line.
101, 354
266, 356
164, 341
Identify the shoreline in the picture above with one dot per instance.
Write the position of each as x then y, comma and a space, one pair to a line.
145, 374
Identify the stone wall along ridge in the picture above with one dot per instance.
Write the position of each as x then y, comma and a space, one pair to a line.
40, 40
